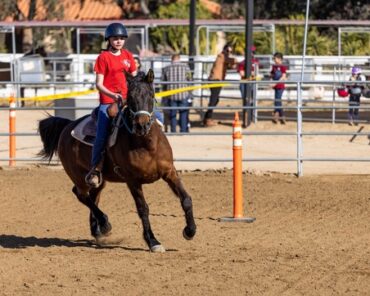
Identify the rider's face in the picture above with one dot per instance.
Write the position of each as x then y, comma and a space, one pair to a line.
117, 42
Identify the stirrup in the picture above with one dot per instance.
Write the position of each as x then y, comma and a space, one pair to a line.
94, 178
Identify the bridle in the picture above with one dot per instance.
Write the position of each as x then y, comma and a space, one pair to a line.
142, 97
140, 112
133, 115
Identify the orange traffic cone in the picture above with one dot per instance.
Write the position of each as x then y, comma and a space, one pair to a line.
237, 174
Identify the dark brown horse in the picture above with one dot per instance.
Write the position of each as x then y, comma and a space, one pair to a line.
141, 155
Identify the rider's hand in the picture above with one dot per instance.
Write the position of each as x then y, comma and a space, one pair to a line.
118, 98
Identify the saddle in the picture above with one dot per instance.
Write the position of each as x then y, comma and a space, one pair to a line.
85, 131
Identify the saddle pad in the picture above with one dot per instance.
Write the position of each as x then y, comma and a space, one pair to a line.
85, 132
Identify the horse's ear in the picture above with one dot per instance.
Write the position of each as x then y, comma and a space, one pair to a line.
129, 77
149, 76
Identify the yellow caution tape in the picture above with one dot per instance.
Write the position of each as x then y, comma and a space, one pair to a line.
55, 97
87, 92
188, 88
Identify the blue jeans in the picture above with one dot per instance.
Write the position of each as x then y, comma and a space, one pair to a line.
278, 102
354, 101
102, 132
213, 100
183, 122
158, 114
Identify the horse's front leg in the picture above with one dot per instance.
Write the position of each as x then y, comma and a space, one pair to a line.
173, 180
143, 212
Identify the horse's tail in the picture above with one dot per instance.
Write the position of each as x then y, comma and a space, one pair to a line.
50, 129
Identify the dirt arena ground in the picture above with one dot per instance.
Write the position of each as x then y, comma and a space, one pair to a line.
311, 237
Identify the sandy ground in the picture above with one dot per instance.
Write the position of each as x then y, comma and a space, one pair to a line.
220, 147
311, 237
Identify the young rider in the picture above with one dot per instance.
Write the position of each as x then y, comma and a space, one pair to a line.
110, 69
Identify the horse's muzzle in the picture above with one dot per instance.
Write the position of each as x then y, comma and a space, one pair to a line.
142, 125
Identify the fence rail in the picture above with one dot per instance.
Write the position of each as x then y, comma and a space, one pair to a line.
299, 133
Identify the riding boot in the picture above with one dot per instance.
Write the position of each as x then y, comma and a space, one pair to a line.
94, 177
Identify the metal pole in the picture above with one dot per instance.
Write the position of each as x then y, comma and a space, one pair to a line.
78, 46
273, 43
192, 34
299, 98
247, 99
12, 64
299, 130
339, 42
305, 38
333, 104
14, 67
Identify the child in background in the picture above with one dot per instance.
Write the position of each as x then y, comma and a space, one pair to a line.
278, 73
242, 72
355, 91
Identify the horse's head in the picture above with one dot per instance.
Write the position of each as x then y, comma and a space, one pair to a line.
140, 101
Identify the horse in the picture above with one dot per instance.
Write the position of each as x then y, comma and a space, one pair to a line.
141, 155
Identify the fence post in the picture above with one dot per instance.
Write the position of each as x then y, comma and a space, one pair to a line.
237, 175
12, 143
334, 89
299, 129
333, 105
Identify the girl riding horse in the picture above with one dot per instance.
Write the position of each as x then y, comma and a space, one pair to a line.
140, 156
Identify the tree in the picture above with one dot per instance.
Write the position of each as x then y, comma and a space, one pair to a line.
278, 9
174, 39
54, 10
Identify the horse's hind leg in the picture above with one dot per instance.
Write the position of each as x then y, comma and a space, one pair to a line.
175, 184
99, 224
143, 211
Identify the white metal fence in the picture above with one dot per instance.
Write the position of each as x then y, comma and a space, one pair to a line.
299, 108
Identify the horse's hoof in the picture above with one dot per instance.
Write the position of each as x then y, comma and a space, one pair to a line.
186, 235
106, 228
158, 249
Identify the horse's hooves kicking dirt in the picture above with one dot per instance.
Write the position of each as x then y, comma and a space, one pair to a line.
158, 249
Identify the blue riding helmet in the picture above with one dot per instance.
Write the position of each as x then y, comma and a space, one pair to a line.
115, 30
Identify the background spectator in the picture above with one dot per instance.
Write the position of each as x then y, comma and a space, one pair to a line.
176, 72
223, 62
242, 73
355, 91
278, 73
